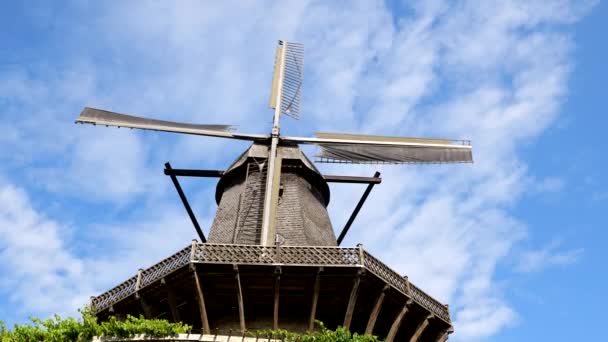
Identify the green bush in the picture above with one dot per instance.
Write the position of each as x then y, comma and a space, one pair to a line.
341, 334
57, 329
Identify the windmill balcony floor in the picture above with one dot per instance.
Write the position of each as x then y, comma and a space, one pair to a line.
224, 288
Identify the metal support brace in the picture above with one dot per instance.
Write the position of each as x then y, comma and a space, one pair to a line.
352, 217
182, 196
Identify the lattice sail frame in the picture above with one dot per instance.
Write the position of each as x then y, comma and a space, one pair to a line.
289, 78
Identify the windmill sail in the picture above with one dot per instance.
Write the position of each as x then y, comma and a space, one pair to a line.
372, 149
287, 78
103, 117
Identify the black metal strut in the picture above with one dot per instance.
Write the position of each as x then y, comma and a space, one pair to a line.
180, 192
352, 217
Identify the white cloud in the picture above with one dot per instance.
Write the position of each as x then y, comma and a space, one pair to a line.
553, 254
35, 259
46, 271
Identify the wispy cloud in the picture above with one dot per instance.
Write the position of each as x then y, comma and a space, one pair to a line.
553, 254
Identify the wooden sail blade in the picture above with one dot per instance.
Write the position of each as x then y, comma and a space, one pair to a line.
287, 78
372, 149
103, 117
386, 154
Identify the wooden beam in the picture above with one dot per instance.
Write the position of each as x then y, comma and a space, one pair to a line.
172, 303
277, 284
421, 328
444, 336
354, 293
371, 322
352, 179
240, 299
397, 322
145, 307
315, 299
201, 303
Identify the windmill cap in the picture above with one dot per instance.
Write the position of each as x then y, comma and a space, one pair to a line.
289, 154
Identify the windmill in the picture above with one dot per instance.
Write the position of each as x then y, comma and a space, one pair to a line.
272, 241
285, 99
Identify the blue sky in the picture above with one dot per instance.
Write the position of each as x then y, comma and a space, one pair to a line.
513, 242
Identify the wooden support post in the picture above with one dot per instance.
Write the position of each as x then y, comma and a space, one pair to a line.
350, 309
92, 303
172, 302
397, 322
145, 307
421, 328
444, 336
142, 303
376, 311
201, 302
277, 284
240, 299
315, 299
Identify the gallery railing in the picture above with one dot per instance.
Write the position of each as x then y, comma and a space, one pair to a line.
260, 255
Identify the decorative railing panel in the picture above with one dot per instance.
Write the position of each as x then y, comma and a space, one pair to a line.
329, 256
234, 254
381, 270
161, 269
122, 291
292, 255
429, 302
260, 255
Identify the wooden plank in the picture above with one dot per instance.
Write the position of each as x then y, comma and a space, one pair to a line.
201, 303
421, 328
240, 300
315, 299
277, 284
348, 317
397, 322
376, 311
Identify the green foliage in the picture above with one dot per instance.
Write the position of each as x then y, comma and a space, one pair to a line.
323, 335
57, 329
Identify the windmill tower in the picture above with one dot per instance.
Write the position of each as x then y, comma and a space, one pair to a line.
272, 242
